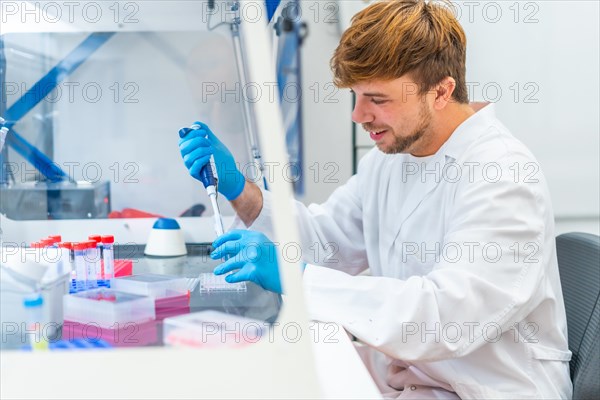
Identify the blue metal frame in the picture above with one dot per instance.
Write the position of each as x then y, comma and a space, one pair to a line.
48, 83
288, 71
37, 93
271, 6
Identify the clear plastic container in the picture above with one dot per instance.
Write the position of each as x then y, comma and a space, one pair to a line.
153, 285
212, 329
108, 308
23, 275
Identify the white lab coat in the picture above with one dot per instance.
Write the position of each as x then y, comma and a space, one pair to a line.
464, 297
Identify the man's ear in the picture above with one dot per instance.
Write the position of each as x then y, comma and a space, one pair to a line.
443, 92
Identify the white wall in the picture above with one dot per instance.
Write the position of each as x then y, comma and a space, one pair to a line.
545, 62
539, 61
326, 118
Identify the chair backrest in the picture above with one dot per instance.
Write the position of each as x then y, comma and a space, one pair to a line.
579, 266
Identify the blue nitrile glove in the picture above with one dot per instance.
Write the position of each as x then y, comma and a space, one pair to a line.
197, 146
253, 254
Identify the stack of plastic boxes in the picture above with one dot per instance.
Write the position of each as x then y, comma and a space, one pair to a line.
126, 314
121, 319
170, 293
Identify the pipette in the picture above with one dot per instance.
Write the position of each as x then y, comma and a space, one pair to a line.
209, 177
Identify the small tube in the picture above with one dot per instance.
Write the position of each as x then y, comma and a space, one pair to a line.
35, 317
92, 261
66, 257
100, 248
212, 194
108, 257
81, 277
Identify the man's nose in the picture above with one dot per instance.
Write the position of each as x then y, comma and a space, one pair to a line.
361, 113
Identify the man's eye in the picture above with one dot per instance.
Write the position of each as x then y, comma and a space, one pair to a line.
378, 101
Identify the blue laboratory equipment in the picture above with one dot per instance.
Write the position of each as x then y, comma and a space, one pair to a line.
100, 283
80, 344
209, 178
77, 344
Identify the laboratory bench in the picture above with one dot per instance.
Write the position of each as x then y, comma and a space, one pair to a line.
339, 371
253, 303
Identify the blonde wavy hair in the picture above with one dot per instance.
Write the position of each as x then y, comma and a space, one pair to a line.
389, 39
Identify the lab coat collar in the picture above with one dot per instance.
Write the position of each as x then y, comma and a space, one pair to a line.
459, 141
468, 131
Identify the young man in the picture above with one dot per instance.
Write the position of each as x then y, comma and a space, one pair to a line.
450, 212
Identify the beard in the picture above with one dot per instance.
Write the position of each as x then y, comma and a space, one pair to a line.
401, 144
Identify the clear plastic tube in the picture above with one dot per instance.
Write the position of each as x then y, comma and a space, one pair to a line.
66, 257
98, 265
81, 277
108, 257
92, 260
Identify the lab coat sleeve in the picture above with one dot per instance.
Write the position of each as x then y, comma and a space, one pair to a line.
463, 303
331, 234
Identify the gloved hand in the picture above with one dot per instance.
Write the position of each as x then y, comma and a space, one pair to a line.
197, 146
253, 254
